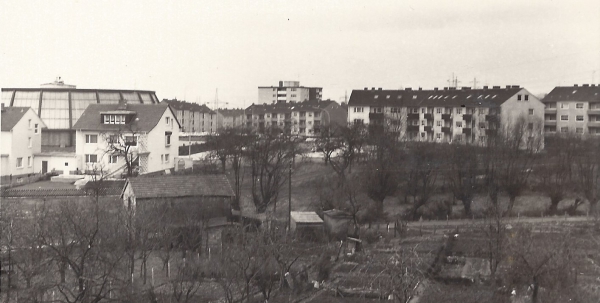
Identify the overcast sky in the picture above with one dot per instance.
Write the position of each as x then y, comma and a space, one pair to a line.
188, 49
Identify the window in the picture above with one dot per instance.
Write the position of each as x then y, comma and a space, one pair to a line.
439, 110
526, 97
531, 111
112, 139
29, 142
422, 110
35, 128
530, 126
356, 110
481, 138
29, 124
579, 118
415, 110
164, 158
458, 123
131, 140
459, 111
19, 162
29, 163
564, 117
564, 129
579, 105
439, 123
422, 122
91, 158
422, 135
91, 138
167, 138
439, 136
113, 159
358, 121
518, 97
564, 105
293, 95
579, 130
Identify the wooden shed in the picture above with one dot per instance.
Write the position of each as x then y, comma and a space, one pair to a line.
305, 220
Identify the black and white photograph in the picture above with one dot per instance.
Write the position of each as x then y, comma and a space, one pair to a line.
223, 151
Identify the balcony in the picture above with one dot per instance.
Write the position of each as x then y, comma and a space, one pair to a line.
467, 117
412, 128
549, 122
446, 130
593, 111
428, 129
466, 131
447, 117
593, 124
428, 116
413, 116
550, 109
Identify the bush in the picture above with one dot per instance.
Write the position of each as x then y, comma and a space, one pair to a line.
324, 267
369, 236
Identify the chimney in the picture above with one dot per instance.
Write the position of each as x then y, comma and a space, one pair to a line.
485, 87
515, 86
585, 85
497, 87
372, 88
575, 85
435, 89
420, 88
280, 83
408, 89
593, 85
380, 88
466, 88
366, 88
452, 88
508, 86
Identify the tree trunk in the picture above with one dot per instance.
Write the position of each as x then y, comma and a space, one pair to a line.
511, 203
467, 204
553, 210
534, 295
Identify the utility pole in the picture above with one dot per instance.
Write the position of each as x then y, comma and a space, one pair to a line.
290, 197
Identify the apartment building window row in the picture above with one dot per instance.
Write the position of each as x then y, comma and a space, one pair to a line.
91, 158
114, 119
356, 110
564, 117
579, 105
579, 118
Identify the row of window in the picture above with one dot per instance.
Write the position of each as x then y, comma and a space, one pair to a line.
578, 118
114, 119
20, 162
439, 110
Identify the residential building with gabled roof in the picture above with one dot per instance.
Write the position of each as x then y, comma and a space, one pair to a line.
193, 117
20, 141
573, 109
298, 118
449, 115
116, 137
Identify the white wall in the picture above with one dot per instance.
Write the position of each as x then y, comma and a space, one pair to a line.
16, 144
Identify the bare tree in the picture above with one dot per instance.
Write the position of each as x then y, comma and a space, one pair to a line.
421, 171
554, 176
461, 173
270, 156
351, 142
125, 143
587, 164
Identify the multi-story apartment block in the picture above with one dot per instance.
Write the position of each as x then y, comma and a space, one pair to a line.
193, 117
229, 118
448, 115
298, 118
21, 140
288, 91
150, 131
573, 109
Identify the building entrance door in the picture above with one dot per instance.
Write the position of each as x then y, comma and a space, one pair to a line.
44, 167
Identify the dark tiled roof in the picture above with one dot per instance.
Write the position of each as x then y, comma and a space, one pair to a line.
107, 190
574, 93
146, 118
183, 105
231, 112
491, 97
288, 107
11, 116
181, 186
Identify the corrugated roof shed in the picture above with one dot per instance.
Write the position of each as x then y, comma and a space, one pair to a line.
181, 186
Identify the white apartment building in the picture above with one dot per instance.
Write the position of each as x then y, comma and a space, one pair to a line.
449, 115
573, 109
288, 91
150, 132
20, 141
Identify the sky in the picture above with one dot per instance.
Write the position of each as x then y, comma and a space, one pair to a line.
194, 50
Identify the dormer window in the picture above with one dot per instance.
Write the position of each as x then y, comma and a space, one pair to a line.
114, 119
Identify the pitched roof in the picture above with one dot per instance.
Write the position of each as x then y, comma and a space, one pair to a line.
574, 93
146, 117
289, 107
231, 112
306, 217
181, 186
488, 97
11, 116
183, 105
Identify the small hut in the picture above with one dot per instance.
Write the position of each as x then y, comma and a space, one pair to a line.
337, 224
